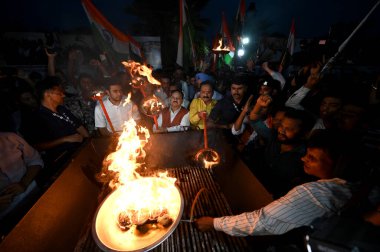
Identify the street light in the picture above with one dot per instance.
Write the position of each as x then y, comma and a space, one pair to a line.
240, 52
245, 40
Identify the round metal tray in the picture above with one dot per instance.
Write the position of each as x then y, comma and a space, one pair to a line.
109, 237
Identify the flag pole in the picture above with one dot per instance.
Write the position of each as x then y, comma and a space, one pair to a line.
194, 58
343, 45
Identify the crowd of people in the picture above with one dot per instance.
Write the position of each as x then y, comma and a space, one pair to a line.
309, 137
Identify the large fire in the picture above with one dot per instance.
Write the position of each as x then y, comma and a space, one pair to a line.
141, 209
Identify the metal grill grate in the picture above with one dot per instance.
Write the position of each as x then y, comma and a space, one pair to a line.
186, 237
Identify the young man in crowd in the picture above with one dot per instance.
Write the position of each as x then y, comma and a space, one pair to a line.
304, 203
228, 109
118, 108
280, 166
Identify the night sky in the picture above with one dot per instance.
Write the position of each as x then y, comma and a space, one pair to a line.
313, 18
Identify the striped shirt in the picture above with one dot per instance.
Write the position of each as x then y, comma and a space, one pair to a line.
299, 207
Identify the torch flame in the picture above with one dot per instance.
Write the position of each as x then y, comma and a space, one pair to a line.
152, 105
137, 71
127, 100
220, 47
209, 157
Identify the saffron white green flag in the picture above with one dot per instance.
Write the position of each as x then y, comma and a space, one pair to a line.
109, 37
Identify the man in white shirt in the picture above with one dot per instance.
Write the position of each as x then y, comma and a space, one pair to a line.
119, 109
304, 203
175, 117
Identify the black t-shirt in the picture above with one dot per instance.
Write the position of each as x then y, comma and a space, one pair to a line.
226, 111
56, 125
50, 126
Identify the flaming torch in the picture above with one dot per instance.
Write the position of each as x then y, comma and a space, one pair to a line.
152, 106
219, 48
209, 156
141, 76
99, 97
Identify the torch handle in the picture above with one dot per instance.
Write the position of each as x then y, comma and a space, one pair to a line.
155, 121
143, 93
205, 132
106, 114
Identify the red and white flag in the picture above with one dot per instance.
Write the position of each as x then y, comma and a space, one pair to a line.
291, 39
114, 38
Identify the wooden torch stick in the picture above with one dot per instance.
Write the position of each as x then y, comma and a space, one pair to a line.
100, 99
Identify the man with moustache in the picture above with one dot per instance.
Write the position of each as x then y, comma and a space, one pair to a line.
281, 168
202, 106
175, 117
228, 109
328, 111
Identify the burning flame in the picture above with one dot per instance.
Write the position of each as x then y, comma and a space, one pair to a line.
127, 100
138, 72
137, 201
209, 164
130, 147
146, 199
219, 48
152, 105
209, 157
97, 95
139, 198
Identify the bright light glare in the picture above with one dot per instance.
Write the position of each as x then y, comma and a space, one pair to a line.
240, 52
245, 40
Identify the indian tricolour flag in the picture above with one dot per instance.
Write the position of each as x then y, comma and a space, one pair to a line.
290, 44
186, 51
112, 40
225, 32
286, 58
